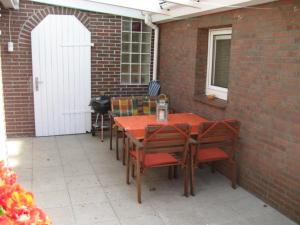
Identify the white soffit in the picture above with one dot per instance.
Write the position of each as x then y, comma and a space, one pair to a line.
207, 7
160, 10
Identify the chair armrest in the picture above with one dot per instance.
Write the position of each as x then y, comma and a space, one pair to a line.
137, 143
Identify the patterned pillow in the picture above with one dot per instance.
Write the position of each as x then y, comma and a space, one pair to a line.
149, 106
125, 106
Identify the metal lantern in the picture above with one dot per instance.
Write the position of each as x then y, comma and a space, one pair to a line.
162, 108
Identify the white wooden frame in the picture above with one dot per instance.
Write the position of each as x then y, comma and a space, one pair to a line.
223, 33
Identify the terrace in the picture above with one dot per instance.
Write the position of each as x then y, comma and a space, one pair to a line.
220, 146
76, 180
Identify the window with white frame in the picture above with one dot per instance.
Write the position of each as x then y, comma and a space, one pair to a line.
218, 59
136, 52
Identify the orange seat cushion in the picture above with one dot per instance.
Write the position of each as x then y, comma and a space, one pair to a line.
156, 159
212, 154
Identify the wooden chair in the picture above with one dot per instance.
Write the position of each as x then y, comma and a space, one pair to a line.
163, 146
212, 138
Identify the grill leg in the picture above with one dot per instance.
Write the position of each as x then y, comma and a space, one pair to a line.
101, 127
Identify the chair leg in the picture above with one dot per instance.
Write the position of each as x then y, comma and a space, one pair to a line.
186, 181
117, 144
132, 170
233, 174
124, 146
138, 182
213, 167
175, 172
192, 175
110, 132
128, 167
170, 174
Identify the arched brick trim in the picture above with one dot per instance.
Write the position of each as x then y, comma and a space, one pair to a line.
32, 21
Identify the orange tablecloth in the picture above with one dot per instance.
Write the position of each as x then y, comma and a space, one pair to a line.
136, 124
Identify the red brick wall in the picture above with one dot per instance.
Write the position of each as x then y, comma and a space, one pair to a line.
17, 69
263, 91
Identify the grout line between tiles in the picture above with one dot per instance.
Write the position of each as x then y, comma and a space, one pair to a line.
116, 215
72, 208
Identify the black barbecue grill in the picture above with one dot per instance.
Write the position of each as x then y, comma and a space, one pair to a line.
101, 106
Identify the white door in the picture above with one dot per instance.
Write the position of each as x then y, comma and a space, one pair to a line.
61, 63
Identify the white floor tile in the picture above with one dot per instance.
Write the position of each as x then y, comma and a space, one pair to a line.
143, 220
78, 169
84, 181
55, 199
61, 216
130, 209
93, 213
87, 195
44, 184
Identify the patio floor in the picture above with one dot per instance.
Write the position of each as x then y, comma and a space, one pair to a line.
78, 181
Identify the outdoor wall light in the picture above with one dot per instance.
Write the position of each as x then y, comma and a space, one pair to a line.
162, 108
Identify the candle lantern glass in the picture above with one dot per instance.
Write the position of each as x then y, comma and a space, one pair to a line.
162, 108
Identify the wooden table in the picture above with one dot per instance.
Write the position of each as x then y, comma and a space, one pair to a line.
136, 125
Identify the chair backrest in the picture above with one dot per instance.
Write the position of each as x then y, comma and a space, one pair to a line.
218, 132
167, 138
154, 88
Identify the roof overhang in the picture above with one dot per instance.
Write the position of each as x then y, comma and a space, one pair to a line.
160, 10
10, 4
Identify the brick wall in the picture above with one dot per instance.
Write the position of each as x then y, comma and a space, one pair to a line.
2, 121
17, 69
263, 91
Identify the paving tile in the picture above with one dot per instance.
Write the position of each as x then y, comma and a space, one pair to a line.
112, 178
87, 195
84, 181
95, 213
130, 209
143, 220
61, 216
250, 207
48, 172
123, 191
44, 184
20, 162
55, 199
182, 218
271, 218
78, 168
24, 173
46, 158
73, 157
218, 214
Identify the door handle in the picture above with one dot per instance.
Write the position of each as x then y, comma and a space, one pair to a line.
37, 82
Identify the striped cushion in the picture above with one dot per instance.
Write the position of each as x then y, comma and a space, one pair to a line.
154, 88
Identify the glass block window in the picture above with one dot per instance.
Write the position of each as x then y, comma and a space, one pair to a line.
136, 52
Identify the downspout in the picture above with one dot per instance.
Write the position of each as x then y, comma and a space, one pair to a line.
148, 21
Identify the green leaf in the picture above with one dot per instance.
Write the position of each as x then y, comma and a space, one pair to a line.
2, 211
